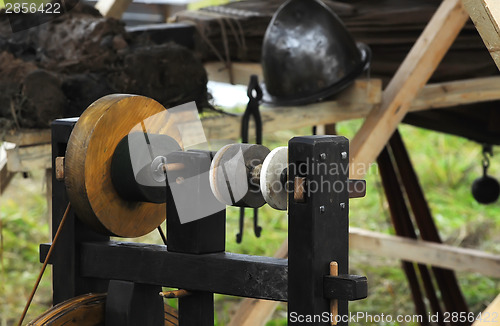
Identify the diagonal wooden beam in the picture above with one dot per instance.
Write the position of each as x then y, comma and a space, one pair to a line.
412, 75
486, 16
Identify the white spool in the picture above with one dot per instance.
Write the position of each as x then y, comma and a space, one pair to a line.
271, 186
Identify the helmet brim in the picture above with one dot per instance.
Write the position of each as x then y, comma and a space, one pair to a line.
337, 87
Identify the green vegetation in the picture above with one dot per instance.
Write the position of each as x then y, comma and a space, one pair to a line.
23, 226
206, 3
446, 165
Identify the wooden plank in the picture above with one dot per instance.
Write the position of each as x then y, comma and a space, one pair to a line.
491, 315
229, 273
461, 92
486, 17
430, 253
27, 137
5, 175
112, 8
241, 72
24, 159
352, 103
411, 76
357, 103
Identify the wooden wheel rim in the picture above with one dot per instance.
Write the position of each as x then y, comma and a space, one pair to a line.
84, 310
87, 310
88, 165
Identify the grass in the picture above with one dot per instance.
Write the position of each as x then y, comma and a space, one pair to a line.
205, 3
446, 166
23, 225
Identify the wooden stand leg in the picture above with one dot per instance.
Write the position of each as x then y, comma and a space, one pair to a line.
130, 304
197, 309
202, 236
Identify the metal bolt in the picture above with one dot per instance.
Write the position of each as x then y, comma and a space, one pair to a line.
322, 156
322, 209
344, 155
342, 205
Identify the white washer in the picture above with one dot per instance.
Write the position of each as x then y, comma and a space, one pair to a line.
272, 188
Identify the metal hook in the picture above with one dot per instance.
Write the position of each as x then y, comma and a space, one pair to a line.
487, 153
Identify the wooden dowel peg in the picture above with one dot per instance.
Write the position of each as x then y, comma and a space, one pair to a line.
334, 305
175, 294
60, 168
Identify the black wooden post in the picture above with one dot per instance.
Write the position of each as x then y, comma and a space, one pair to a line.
132, 304
191, 190
66, 280
318, 229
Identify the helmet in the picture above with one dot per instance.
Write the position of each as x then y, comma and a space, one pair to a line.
308, 54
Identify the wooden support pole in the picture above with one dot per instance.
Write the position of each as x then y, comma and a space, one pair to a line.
486, 17
412, 75
316, 225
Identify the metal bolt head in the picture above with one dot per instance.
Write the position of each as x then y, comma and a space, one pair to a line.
157, 169
322, 156
342, 205
322, 209
344, 155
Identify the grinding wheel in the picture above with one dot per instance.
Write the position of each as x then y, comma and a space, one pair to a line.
273, 178
231, 173
88, 164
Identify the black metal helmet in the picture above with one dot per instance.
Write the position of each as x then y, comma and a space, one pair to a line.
308, 54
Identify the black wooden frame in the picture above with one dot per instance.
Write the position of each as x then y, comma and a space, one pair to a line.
85, 261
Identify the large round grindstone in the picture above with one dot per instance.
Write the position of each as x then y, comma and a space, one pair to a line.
273, 177
88, 164
234, 174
